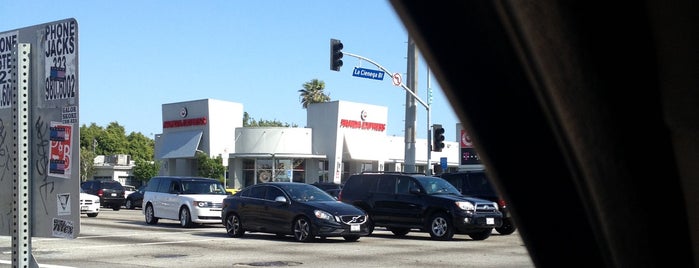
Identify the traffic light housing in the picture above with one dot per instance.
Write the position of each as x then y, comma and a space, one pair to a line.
335, 54
437, 138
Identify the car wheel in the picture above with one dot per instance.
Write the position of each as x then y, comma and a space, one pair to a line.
129, 204
185, 218
234, 228
369, 226
481, 235
92, 215
302, 230
508, 227
440, 227
150, 215
399, 231
351, 238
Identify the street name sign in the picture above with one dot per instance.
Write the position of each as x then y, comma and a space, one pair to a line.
368, 73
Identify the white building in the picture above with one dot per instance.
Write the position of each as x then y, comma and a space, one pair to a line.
340, 138
115, 167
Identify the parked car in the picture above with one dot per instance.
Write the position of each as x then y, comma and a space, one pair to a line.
129, 189
292, 208
405, 201
89, 204
189, 200
111, 192
329, 187
477, 184
135, 199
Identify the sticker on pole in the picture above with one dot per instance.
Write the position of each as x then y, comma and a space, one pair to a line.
396, 79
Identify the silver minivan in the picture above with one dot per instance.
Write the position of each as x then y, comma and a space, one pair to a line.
189, 200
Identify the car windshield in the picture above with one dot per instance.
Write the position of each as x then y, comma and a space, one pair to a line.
433, 185
202, 187
306, 193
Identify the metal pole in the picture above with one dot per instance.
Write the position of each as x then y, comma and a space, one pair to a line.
429, 129
410, 108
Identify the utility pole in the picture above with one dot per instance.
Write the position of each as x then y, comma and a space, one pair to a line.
410, 108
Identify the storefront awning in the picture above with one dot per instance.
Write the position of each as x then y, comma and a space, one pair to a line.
182, 144
364, 147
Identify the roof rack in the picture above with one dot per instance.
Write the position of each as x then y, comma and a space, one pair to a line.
392, 172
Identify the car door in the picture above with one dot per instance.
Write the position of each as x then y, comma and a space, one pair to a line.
382, 197
409, 207
170, 201
276, 216
252, 208
159, 197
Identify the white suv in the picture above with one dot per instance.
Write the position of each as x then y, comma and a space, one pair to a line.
187, 199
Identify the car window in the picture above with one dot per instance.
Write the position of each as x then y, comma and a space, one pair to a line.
387, 185
164, 185
434, 185
175, 187
403, 185
258, 192
112, 185
202, 187
272, 193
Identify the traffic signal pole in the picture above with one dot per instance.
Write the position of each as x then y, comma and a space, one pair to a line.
336, 55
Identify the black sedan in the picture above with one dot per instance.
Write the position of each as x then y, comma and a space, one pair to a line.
135, 199
292, 208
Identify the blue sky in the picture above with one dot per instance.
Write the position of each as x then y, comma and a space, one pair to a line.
135, 56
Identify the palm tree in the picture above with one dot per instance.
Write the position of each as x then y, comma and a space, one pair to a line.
312, 92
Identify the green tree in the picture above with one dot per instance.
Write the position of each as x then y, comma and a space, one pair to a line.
89, 136
313, 92
210, 167
96, 140
251, 122
87, 163
113, 140
144, 170
140, 147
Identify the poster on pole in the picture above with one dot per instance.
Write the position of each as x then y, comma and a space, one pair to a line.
61, 136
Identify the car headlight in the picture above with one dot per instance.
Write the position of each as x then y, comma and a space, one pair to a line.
202, 204
323, 215
465, 205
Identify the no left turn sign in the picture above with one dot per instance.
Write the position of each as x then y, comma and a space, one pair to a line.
396, 79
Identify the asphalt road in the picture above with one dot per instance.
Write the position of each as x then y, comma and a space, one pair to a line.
121, 238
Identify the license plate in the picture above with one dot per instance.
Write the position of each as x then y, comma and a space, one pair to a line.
490, 221
83, 208
113, 194
354, 228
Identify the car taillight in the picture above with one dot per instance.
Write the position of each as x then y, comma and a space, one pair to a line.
339, 196
100, 192
501, 203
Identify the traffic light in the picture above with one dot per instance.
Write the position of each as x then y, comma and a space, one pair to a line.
437, 138
335, 54
430, 96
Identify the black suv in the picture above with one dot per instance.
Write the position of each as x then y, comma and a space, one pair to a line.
329, 187
405, 201
476, 183
111, 192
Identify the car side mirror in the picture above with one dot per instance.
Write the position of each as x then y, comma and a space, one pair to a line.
415, 190
280, 199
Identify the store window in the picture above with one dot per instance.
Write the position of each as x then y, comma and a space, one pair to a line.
268, 170
248, 172
323, 171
